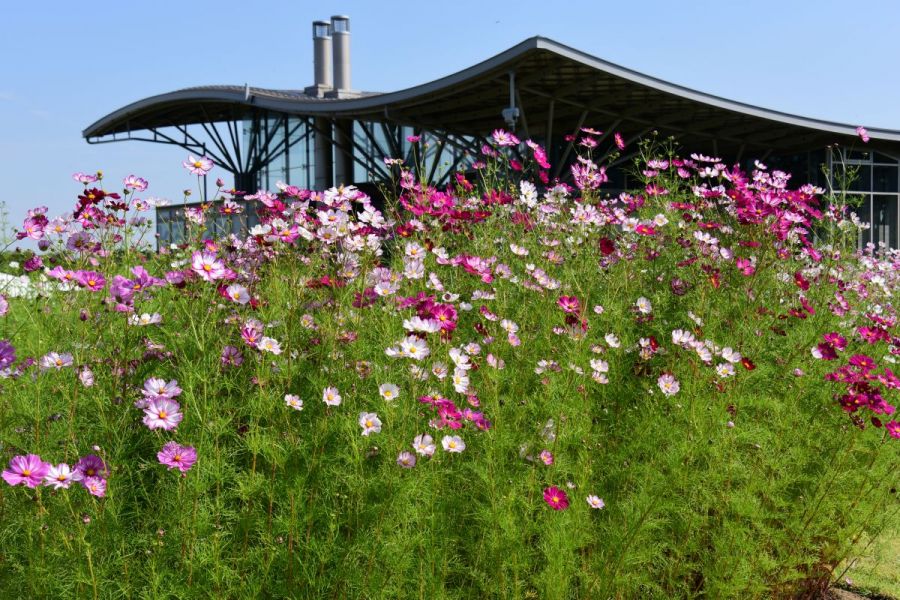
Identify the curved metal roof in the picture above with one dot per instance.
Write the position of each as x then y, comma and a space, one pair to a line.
557, 85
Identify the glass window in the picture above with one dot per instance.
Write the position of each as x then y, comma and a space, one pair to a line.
884, 179
884, 219
884, 158
864, 212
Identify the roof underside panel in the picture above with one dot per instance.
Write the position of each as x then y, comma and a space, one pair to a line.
558, 89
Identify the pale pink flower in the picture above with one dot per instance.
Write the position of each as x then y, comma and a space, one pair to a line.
198, 166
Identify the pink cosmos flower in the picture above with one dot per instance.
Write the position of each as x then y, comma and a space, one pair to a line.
160, 388
84, 178
54, 360
407, 460
238, 293
95, 485
90, 280
453, 443
556, 498
620, 143
504, 138
893, 429
370, 423
668, 384
176, 456
569, 304
547, 457
198, 166
331, 397
89, 466
863, 134
162, 413
4, 305
135, 183
28, 469
231, 357
59, 476
207, 266
424, 444
595, 502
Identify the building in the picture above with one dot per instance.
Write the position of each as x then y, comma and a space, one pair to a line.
329, 133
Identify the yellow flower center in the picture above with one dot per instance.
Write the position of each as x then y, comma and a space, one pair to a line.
162, 414
26, 472
198, 164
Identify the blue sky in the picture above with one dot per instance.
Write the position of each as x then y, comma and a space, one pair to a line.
66, 64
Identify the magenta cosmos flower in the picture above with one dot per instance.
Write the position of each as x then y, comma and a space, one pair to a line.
176, 456
556, 498
28, 469
90, 466
198, 166
162, 413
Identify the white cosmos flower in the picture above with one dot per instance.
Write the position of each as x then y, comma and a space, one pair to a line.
414, 348
389, 391
453, 443
370, 423
331, 397
268, 344
293, 401
424, 444
238, 293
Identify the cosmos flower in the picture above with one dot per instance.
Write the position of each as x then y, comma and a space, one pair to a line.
406, 459
863, 134
595, 502
135, 183
237, 293
668, 384
176, 456
556, 498
198, 166
96, 486
453, 443
90, 465
424, 444
388, 391
547, 457
293, 401
207, 266
331, 397
160, 388
26, 469
59, 476
267, 344
54, 360
370, 423
162, 413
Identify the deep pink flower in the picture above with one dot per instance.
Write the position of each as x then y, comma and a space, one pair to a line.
176, 456
569, 304
863, 134
90, 280
28, 469
556, 498
893, 429
90, 466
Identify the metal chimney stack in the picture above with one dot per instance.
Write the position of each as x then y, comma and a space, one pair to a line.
322, 69
340, 30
